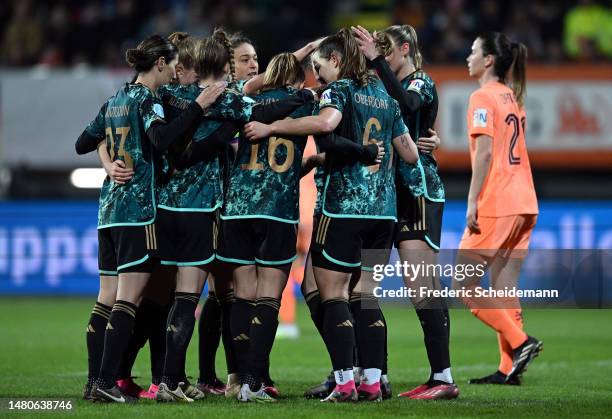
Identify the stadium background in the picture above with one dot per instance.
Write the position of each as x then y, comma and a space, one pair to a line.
61, 59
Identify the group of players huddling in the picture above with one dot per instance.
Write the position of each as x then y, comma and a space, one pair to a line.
204, 158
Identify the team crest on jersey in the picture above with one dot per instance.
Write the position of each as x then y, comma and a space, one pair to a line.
159, 110
480, 118
325, 98
416, 85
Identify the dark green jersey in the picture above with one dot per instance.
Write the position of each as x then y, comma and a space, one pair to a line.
422, 178
319, 180
265, 177
124, 122
200, 187
237, 85
319, 176
369, 114
175, 98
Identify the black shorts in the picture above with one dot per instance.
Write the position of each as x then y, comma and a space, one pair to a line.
187, 237
127, 249
338, 243
419, 219
316, 218
260, 241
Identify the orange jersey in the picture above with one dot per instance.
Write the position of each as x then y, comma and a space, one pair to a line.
508, 188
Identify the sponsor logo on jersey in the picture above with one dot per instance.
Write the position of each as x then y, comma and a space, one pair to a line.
480, 118
325, 98
416, 85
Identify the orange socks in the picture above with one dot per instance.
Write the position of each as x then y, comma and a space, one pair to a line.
504, 323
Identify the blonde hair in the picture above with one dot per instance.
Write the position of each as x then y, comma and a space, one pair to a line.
186, 45
284, 70
400, 34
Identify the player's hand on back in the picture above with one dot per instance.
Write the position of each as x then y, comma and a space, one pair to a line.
429, 144
310, 162
256, 131
366, 42
209, 95
381, 152
118, 172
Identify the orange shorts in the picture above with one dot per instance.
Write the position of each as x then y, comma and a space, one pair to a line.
501, 236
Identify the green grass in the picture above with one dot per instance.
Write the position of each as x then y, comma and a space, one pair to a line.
42, 355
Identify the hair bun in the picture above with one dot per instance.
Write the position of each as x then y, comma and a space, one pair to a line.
134, 57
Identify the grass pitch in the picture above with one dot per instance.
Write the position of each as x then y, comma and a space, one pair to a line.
42, 355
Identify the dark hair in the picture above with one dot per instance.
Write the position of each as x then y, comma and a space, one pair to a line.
186, 45
283, 70
509, 56
400, 34
212, 54
238, 39
352, 61
143, 57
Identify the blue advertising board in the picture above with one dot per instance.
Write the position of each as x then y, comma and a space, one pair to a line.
52, 247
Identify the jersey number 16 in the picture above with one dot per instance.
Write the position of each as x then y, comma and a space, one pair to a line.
273, 144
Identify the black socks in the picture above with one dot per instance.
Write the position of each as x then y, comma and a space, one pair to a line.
240, 324
435, 324
209, 332
338, 333
95, 338
226, 302
264, 323
116, 339
181, 322
370, 330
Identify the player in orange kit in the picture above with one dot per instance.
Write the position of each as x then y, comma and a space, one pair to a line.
502, 205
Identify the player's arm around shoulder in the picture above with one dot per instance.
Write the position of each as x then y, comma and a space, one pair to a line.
326, 121
406, 148
402, 141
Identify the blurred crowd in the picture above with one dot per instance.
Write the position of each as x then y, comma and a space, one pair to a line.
60, 33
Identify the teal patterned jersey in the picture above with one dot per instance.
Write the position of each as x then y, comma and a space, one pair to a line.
237, 85
175, 98
319, 176
369, 114
265, 177
319, 180
422, 178
200, 187
124, 122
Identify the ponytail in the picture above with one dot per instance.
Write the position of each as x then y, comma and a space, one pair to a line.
510, 60
415, 53
519, 64
400, 34
222, 37
212, 55
352, 61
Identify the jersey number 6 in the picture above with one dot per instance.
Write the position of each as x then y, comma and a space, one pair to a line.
374, 122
